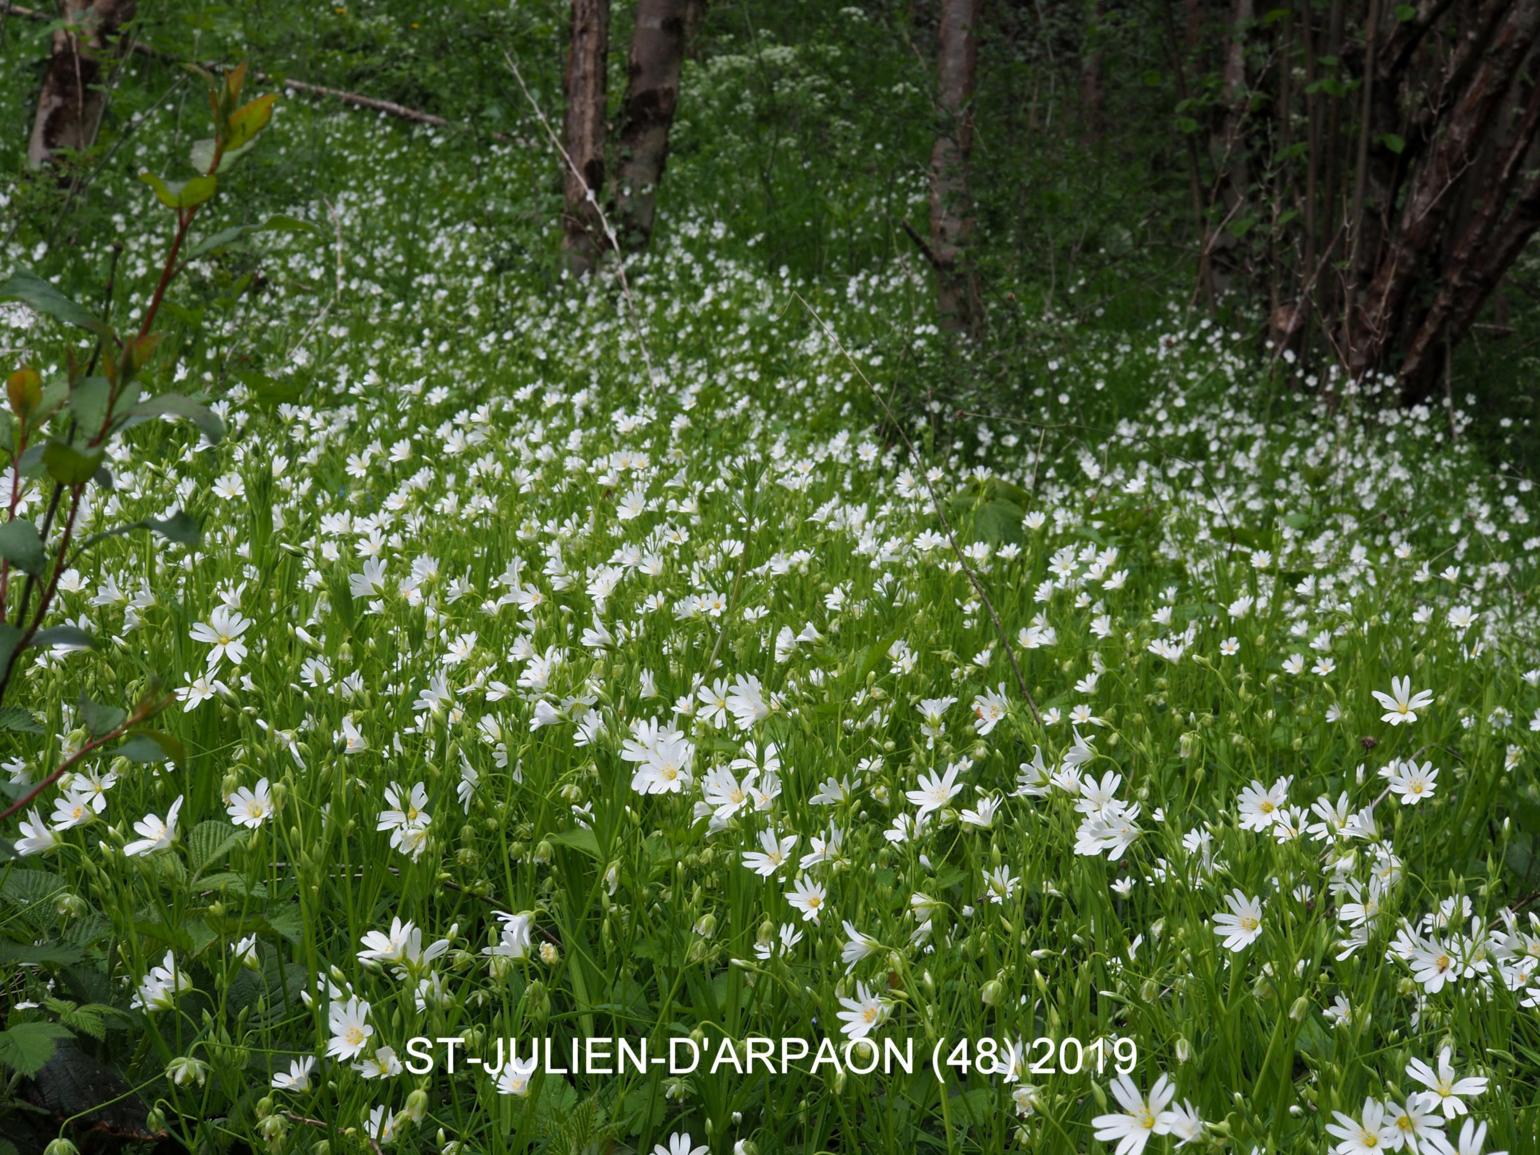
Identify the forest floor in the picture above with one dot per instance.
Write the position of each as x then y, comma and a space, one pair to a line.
1150, 751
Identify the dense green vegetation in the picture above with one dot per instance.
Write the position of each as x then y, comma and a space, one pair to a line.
721, 653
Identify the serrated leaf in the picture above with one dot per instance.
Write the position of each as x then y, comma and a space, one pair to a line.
25, 1047
19, 720
21, 546
209, 842
56, 954
85, 1020
34, 292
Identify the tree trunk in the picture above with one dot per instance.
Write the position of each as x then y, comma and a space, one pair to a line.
951, 207
1228, 151
1376, 322
1092, 89
583, 236
71, 104
652, 93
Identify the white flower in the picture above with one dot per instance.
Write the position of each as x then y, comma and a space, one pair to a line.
1141, 1117
251, 807
857, 946
154, 835
936, 790
349, 1025
158, 990
1411, 782
680, 1143
863, 1014
1369, 1134
773, 856
516, 936
36, 837
1445, 1092
514, 1078
1259, 805
1401, 705
988, 709
223, 632
809, 897
1242, 926
297, 1077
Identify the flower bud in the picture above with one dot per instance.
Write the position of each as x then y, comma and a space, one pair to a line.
24, 389
416, 1105
184, 1070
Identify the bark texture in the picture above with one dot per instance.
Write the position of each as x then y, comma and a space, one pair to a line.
583, 239
647, 115
951, 205
1393, 190
71, 103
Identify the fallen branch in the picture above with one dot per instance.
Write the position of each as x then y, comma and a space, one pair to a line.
341, 95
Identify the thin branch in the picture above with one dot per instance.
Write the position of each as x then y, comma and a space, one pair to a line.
341, 95
139, 715
604, 222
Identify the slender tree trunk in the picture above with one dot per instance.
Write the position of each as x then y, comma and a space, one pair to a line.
951, 206
1092, 89
1228, 150
583, 130
652, 93
71, 104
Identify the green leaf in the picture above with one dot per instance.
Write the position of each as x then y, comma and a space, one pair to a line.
181, 527
19, 720
31, 290
274, 224
184, 194
1396, 144
62, 638
250, 119
39, 954
88, 402
25, 1047
202, 155
70, 466
579, 838
209, 842
151, 746
179, 405
89, 1019
101, 719
10, 638
22, 547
